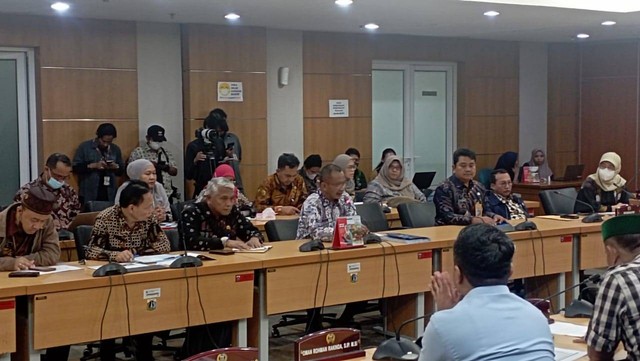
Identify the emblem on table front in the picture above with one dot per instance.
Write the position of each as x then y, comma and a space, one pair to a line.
331, 338
222, 357
152, 304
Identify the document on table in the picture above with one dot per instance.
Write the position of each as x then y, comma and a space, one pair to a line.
262, 249
61, 268
568, 329
156, 258
563, 354
127, 265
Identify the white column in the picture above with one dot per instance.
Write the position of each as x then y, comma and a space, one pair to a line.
533, 98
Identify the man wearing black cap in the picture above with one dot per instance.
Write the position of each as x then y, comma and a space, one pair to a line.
310, 170
27, 235
164, 161
97, 163
616, 314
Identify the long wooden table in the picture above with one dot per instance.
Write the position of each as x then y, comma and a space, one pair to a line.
133, 303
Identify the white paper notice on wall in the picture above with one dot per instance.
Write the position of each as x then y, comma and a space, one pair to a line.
338, 108
230, 91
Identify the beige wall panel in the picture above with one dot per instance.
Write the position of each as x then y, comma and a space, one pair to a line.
332, 136
319, 88
609, 120
489, 135
72, 93
229, 48
610, 59
203, 95
337, 53
65, 136
491, 96
69, 42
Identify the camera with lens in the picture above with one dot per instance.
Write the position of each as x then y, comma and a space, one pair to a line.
213, 144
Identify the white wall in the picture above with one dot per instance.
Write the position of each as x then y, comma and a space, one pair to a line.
160, 86
284, 104
533, 98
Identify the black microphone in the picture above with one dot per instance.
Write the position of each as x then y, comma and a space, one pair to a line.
109, 269
592, 217
399, 348
577, 308
185, 260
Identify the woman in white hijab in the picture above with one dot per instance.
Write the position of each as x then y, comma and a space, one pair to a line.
391, 183
604, 188
145, 171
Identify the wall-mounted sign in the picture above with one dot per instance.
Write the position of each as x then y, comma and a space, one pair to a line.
338, 108
230, 91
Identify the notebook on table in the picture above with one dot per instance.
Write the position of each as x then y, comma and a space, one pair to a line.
423, 180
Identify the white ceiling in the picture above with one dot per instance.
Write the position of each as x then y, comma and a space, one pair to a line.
416, 17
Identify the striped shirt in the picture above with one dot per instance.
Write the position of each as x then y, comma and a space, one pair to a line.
616, 315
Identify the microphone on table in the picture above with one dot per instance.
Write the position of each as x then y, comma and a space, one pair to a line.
592, 217
577, 308
399, 348
109, 269
185, 261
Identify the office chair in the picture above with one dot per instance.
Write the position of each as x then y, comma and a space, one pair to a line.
416, 215
97, 206
484, 177
562, 203
81, 235
280, 230
228, 354
372, 216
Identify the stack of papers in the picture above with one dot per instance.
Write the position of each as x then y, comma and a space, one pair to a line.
568, 329
262, 249
563, 354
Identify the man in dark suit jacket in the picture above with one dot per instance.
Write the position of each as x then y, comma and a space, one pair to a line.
500, 201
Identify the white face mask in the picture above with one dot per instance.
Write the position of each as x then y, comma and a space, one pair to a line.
154, 145
606, 174
312, 176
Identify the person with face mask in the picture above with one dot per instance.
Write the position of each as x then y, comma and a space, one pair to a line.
97, 163
615, 318
144, 170
57, 171
604, 188
309, 172
27, 235
163, 160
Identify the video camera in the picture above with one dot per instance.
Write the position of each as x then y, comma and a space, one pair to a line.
213, 144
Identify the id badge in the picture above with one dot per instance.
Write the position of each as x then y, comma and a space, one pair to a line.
106, 181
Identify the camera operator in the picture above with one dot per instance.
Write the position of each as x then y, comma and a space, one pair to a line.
204, 154
233, 149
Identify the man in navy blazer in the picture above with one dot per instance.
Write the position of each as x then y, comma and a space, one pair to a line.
500, 200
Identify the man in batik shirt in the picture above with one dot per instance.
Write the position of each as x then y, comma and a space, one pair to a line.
321, 209
57, 171
284, 191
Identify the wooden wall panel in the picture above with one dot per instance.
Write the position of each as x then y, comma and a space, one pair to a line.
64, 136
244, 60
609, 59
337, 53
254, 86
608, 122
228, 48
319, 88
332, 136
492, 96
85, 93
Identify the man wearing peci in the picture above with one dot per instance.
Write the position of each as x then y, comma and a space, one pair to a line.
478, 318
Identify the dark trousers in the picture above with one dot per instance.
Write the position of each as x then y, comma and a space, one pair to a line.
206, 337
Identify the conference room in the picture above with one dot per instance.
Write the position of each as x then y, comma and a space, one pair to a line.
312, 78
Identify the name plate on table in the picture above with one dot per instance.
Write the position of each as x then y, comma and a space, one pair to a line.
329, 345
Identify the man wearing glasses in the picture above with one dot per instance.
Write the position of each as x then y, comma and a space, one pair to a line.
57, 171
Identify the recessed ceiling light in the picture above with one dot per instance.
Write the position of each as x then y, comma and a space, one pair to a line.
371, 26
344, 2
232, 16
608, 23
582, 36
60, 6
491, 13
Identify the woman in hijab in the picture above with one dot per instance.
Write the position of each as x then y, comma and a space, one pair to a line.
509, 162
604, 188
538, 159
348, 166
391, 182
145, 171
385, 153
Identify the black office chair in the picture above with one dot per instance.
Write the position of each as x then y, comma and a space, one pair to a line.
176, 212
372, 216
281, 230
416, 215
562, 203
81, 235
97, 206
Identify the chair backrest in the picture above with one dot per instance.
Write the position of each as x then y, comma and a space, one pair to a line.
415, 215
372, 216
562, 203
97, 206
174, 239
81, 236
281, 229
484, 177
230, 354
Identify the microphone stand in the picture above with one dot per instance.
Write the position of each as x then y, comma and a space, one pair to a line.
185, 260
577, 308
592, 217
398, 348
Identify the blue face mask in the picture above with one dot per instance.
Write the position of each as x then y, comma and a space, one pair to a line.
54, 183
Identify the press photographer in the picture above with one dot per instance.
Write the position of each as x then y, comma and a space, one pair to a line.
204, 154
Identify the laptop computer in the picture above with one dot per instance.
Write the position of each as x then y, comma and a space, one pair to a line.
571, 173
423, 180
